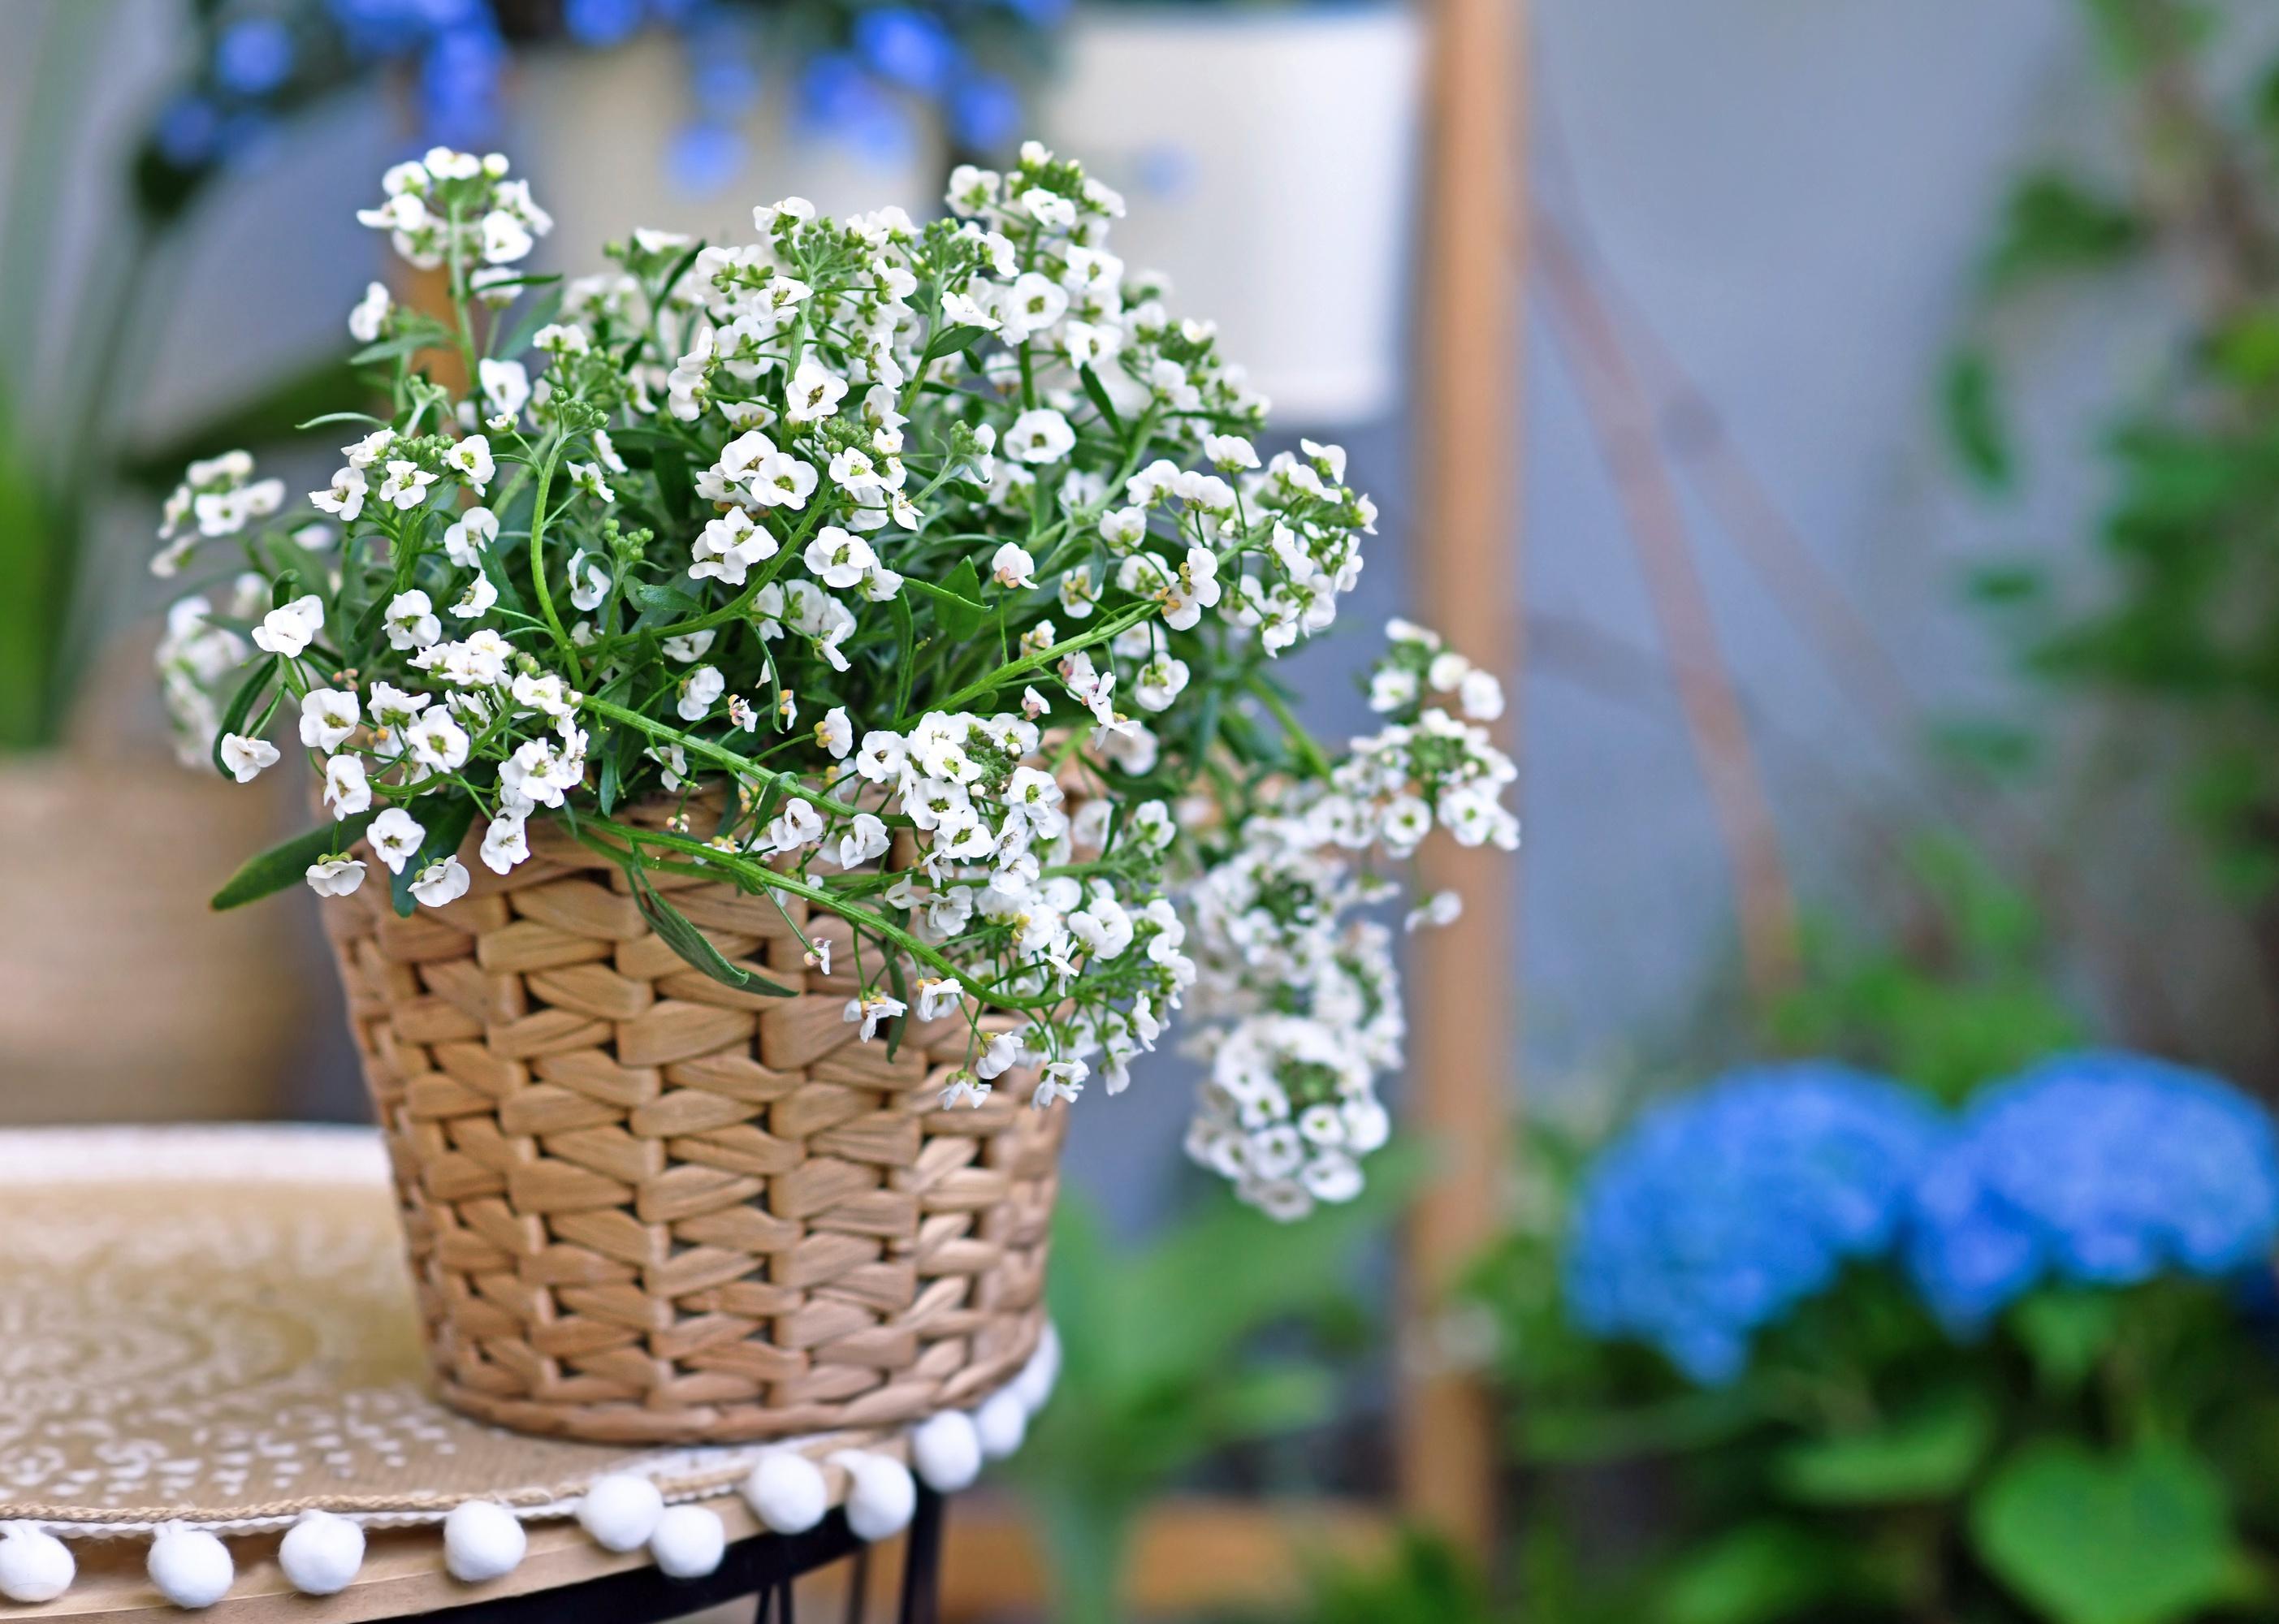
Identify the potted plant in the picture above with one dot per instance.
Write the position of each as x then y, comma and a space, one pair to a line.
804, 717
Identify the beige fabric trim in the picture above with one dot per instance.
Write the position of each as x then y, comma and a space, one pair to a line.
214, 1326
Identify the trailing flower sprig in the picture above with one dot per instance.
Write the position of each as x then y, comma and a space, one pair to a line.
925, 574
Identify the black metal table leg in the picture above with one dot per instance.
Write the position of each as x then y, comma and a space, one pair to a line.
922, 1561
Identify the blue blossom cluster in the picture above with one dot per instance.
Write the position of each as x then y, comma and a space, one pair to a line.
1719, 1212
2100, 1170
863, 69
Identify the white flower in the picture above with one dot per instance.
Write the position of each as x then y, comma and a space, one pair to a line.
335, 876
1230, 451
587, 478
872, 1009
471, 458
689, 647
246, 757
405, 485
441, 883
1061, 1080
437, 742
882, 756
394, 837
1447, 671
698, 690
589, 582
545, 693
835, 733
813, 394
1442, 907
505, 842
410, 621
1481, 695
1001, 1054
506, 386
963, 1090
328, 716
466, 536
1124, 528
346, 791
1151, 822
371, 313
1012, 566
476, 601
866, 839
289, 630
728, 546
1391, 688
938, 996
562, 339
1039, 436
839, 557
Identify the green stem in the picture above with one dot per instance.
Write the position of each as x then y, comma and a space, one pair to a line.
538, 571
759, 875
742, 766
1016, 669
1302, 741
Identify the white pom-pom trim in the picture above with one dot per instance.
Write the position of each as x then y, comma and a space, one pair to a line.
882, 1495
34, 1566
786, 1491
1034, 1385
946, 1450
689, 1543
482, 1540
320, 1553
621, 1511
191, 1569
1003, 1421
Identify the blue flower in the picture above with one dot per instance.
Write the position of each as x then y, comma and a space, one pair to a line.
1716, 1214
838, 101
704, 158
905, 47
458, 85
2101, 1170
601, 22
254, 57
187, 132
984, 113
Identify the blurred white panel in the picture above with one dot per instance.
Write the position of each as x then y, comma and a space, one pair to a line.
1267, 157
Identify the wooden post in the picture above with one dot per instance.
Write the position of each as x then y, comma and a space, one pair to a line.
1464, 992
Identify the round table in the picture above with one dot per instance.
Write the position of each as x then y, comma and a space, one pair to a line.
214, 1328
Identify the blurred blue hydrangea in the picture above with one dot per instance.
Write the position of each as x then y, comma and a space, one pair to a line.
1717, 1212
2103, 1169
254, 57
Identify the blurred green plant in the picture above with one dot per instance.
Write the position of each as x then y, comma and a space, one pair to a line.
2096, 1457
64, 428
2183, 627
1959, 993
1162, 1362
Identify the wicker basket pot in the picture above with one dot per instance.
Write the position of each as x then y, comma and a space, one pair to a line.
643, 1207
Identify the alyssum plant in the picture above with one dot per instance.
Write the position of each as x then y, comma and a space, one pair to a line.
926, 571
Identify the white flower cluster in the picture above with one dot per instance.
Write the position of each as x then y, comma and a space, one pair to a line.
919, 571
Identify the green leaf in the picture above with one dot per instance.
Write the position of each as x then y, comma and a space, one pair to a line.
949, 339
686, 940
281, 865
1930, 1454
542, 310
1096, 393
1971, 407
2064, 1333
1756, 1573
661, 598
2055, 223
446, 819
900, 980
960, 615
239, 706
2137, 1538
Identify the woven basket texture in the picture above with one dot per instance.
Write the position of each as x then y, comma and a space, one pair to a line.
645, 1207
